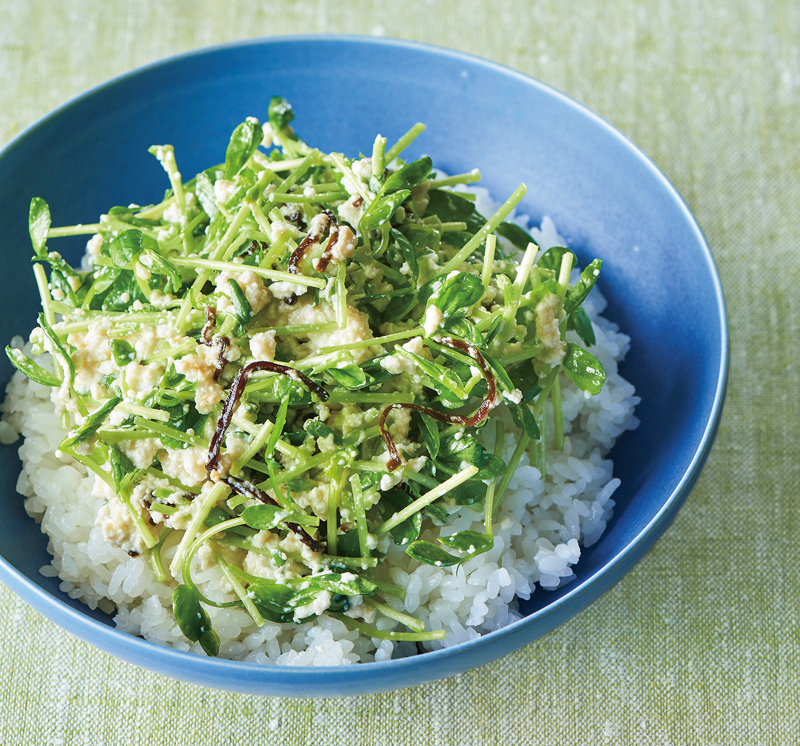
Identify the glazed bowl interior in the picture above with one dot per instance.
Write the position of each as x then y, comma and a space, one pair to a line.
604, 196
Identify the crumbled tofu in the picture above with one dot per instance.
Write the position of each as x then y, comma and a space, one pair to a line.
433, 320
173, 213
357, 330
223, 190
188, 465
92, 352
141, 379
515, 397
262, 345
282, 290
345, 244
208, 392
547, 332
363, 168
362, 611
255, 292
316, 499
116, 522
95, 244
398, 364
278, 228
320, 603
352, 210
141, 452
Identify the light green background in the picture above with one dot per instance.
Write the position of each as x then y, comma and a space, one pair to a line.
699, 644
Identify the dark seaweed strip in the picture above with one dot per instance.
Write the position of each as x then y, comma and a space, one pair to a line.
210, 325
246, 489
315, 234
208, 339
237, 389
224, 343
322, 263
452, 419
313, 238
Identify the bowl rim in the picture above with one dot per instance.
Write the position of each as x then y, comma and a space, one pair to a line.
345, 680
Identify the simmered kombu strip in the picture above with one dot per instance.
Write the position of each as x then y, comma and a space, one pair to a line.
237, 389
208, 338
250, 490
322, 223
210, 325
452, 419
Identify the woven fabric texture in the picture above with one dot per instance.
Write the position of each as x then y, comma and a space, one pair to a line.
699, 643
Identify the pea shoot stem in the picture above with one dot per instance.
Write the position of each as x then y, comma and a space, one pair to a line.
404, 142
426, 499
481, 235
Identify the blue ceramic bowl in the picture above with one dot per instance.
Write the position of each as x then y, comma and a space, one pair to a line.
604, 195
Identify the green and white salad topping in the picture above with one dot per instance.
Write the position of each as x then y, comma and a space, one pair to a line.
286, 365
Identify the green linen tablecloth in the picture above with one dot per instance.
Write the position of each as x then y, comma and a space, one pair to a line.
699, 644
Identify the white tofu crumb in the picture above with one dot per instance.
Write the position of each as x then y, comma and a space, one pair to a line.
252, 286
345, 245
515, 396
95, 244
223, 190
433, 320
281, 290
317, 606
363, 168
262, 345
173, 213
352, 210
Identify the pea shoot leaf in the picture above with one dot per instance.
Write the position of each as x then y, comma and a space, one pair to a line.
519, 237
381, 210
193, 619
204, 190
39, 226
579, 322
91, 424
583, 369
429, 431
409, 255
241, 306
122, 351
409, 176
577, 294
125, 246
524, 419
430, 554
393, 501
280, 113
450, 208
162, 266
456, 293
120, 465
272, 600
348, 377
243, 143
58, 347
466, 330
31, 369
266, 517
468, 541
